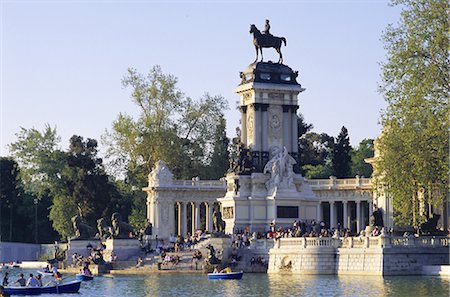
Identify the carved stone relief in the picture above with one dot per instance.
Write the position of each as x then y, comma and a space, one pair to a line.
250, 125
275, 118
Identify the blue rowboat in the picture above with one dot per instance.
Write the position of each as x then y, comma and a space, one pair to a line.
84, 277
69, 287
230, 275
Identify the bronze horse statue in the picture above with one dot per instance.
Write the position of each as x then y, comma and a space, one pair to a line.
266, 40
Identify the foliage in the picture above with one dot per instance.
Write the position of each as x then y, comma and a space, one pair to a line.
317, 171
358, 155
35, 152
171, 127
341, 155
219, 156
414, 161
316, 149
84, 189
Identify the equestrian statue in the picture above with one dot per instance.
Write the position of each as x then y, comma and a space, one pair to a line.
265, 39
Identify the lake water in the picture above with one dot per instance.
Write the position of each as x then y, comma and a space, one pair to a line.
195, 284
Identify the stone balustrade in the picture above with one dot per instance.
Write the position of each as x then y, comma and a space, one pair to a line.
362, 242
345, 183
200, 183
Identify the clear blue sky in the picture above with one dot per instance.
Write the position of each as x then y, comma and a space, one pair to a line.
62, 61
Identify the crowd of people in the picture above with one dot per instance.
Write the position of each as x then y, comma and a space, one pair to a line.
32, 280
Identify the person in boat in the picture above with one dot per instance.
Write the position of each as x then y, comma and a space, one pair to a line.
47, 269
39, 279
2, 292
54, 270
21, 281
226, 270
5, 279
32, 281
86, 270
216, 269
58, 276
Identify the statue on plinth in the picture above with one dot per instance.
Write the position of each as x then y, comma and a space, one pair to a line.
242, 163
281, 169
266, 39
120, 229
104, 231
82, 230
218, 223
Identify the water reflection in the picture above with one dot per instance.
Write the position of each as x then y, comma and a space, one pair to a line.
196, 284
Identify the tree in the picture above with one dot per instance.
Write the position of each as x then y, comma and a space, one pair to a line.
363, 151
84, 189
36, 153
171, 127
341, 155
219, 156
414, 162
316, 150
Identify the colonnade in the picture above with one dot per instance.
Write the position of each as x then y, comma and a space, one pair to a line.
191, 212
353, 215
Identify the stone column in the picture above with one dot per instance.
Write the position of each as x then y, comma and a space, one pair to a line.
179, 219
332, 215
171, 226
319, 212
244, 124
192, 226
156, 214
286, 127
257, 127
264, 141
210, 212
294, 133
370, 208
184, 219
197, 215
344, 206
358, 216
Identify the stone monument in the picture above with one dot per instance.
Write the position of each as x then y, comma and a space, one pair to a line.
83, 239
122, 241
271, 188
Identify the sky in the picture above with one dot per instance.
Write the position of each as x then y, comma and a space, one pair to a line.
62, 61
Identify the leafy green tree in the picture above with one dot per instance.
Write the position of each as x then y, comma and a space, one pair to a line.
170, 127
413, 164
84, 189
341, 155
219, 156
316, 149
358, 155
36, 153
317, 171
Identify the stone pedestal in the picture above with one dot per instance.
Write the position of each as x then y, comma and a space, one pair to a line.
124, 249
80, 247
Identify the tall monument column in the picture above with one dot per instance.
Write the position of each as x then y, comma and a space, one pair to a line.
264, 184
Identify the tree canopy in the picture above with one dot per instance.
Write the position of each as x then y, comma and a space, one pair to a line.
414, 160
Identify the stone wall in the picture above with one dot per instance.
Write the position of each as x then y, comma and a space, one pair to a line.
359, 255
16, 251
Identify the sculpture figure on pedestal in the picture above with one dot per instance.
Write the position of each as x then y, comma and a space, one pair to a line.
261, 40
104, 231
218, 223
281, 170
120, 229
82, 230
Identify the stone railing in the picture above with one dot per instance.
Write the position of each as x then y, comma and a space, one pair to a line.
200, 183
362, 242
345, 183
261, 244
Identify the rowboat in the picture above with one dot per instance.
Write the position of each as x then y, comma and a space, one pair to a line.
84, 277
69, 287
229, 275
